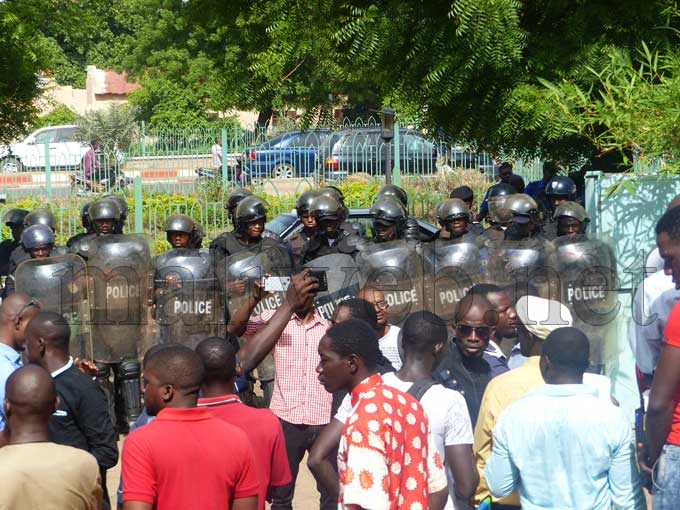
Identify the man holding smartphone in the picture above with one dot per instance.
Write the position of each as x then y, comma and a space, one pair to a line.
292, 333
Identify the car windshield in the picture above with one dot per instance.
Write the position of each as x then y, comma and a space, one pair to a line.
280, 223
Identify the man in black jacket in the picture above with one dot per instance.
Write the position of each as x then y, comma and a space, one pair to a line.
82, 419
464, 368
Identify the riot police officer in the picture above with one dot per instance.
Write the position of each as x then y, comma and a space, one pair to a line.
297, 243
498, 216
454, 217
179, 229
105, 215
197, 236
122, 205
87, 225
14, 219
525, 221
389, 220
560, 189
35, 217
571, 219
330, 237
37, 242
336, 193
412, 231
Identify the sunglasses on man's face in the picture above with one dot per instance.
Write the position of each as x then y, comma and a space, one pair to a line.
465, 330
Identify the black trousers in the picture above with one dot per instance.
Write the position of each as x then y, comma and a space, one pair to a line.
299, 440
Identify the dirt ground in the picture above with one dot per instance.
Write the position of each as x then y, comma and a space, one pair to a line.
306, 496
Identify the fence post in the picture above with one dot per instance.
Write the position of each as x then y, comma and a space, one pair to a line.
139, 205
396, 168
143, 139
225, 154
48, 172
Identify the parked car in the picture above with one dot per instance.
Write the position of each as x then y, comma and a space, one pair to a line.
285, 156
65, 151
363, 150
362, 217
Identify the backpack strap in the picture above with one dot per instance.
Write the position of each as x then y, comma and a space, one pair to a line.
420, 387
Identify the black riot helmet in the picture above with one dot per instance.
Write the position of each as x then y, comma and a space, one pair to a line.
561, 186
498, 194
234, 199
122, 205
14, 217
304, 201
392, 190
524, 208
104, 209
197, 235
333, 191
326, 206
251, 208
36, 236
571, 210
85, 216
388, 211
452, 209
42, 217
179, 223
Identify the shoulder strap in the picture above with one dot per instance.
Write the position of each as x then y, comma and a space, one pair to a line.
420, 387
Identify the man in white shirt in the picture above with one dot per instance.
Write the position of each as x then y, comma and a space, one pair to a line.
388, 335
216, 152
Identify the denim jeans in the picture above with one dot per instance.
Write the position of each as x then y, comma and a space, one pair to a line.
666, 489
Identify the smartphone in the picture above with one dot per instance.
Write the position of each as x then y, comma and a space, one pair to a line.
276, 283
323, 280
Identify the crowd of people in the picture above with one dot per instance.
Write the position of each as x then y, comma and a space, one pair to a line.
413, 370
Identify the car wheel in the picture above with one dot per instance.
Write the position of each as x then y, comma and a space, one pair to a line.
283, 171
11, 165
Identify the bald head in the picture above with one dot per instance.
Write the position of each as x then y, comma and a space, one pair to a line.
475, 304
52, 328
30, 394
16, 304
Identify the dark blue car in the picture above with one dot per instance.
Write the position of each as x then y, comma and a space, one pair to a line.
293, 154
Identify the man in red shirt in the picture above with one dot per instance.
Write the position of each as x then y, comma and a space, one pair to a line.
386, 458
186, 458
260, 425
663, 414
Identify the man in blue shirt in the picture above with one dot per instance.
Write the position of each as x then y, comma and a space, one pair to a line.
15, 313
536, 189
560, 446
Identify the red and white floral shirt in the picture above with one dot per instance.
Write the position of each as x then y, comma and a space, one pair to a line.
387, 459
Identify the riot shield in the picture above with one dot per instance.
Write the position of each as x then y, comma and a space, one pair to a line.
453, 269
522, 267
188, 300
342, 275
397, 269
119, 267
238, 272
60, 285
588, 283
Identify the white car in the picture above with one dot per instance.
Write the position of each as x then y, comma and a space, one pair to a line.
65, 151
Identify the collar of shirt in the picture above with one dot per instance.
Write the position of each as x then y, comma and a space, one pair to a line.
230, 398
494, 350
184, 414
317, 320
63, 369
563, 390
10, 353
365, 386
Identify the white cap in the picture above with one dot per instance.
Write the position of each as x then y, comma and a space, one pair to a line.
542, 316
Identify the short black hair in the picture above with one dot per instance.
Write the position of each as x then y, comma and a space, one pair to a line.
179, 366
670, 223
355, 337
53, 328
465, 193
422, 331
568, 349
484, 289
504, 165
361, 309
219, 358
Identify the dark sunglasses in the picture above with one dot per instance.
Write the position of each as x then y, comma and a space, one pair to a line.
483, 332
